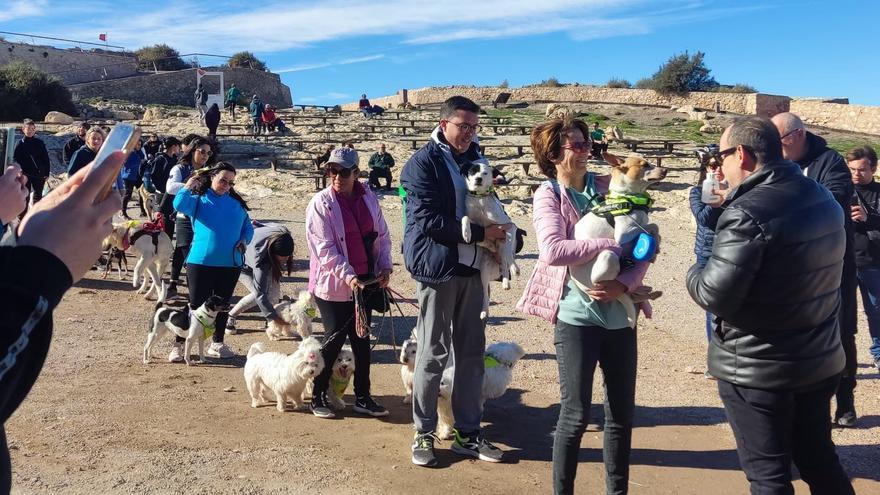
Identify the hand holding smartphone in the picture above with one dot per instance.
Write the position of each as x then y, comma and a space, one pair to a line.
123, 137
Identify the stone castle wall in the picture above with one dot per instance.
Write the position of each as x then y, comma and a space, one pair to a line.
855, 118
71, 66
177, 88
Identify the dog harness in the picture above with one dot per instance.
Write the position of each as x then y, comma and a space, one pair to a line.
312, 313
208, 327
490, 361
152, 229
617, 204
339, 385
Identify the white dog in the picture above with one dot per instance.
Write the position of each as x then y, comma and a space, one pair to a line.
197, 325
154, 249
282, 377
499, 360
343, 368
298, 315
627, 192
484, 209
407, 361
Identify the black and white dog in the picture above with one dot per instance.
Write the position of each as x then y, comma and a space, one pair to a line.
195, 325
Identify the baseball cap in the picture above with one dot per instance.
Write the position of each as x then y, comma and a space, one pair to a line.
346, 157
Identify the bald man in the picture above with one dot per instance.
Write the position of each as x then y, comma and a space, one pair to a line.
827, 167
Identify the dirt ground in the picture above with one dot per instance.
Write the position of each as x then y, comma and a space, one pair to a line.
99, 421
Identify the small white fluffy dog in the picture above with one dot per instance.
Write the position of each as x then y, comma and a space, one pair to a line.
298, 315
154, 258
343, 369
484, 208
500, 358
282, 377
407, 361
182, 323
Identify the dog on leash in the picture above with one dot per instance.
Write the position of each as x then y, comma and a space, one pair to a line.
407, 359
114, 247
623, 217
298, 315
340, 378
154, 248
282, 377
484, 209
196, 325
499, 360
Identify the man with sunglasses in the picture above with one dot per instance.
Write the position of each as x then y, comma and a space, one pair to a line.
449, 290
772, 282
827, 167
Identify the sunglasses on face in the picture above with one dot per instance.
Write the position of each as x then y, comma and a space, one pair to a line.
343, 173
789, 133
579, 147
719, 158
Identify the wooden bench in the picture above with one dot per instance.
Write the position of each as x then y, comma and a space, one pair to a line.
523, 129
658, 159
667, 144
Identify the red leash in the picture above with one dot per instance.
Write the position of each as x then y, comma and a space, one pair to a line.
400, 297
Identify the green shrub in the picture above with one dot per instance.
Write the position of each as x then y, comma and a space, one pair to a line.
550, 82
27, 92
163, 56
246, 60
504, 84
645, 83
683, 73
616, 82
736, 88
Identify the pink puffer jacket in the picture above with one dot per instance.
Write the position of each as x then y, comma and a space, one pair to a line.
554, 219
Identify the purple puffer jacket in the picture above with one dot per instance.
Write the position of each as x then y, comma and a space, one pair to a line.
554, 219
330, 274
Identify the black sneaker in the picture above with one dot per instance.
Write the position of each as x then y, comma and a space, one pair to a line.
474, 445
423, 449
847, 420
366, 405
319, 406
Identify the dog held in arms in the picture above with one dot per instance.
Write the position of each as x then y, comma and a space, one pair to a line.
196, 325
282, 377
298, 315
499, 360
622, 217
484, 209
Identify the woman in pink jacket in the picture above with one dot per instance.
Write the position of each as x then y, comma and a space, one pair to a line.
348, 246
588, 330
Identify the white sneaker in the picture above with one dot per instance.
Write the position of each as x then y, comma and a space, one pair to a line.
176, 355
230, 326
219, 350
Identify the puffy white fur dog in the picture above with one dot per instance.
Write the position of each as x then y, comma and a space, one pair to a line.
343, 369
407, 361
484, 209
298, 315
281, 377
631, 177
500, 359
182, 323
152, 262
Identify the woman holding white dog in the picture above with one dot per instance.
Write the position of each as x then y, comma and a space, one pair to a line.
588, 330
221, 231
268, 255
348, 246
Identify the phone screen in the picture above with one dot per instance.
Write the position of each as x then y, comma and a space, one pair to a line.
123, 137
9, 152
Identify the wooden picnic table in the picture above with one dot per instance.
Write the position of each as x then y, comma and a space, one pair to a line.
666, 144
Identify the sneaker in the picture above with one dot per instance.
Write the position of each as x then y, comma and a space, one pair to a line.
475, 445
847, 420
423, 449
171, 293
230, 326
219, 350
366, 405
176, 354
319, 406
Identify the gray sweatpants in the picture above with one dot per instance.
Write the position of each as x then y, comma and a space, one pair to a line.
250, 300
449, 311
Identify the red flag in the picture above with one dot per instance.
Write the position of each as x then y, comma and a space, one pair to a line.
102, 37
201, 71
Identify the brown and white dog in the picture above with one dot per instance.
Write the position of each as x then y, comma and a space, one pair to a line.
629, 178
114, 247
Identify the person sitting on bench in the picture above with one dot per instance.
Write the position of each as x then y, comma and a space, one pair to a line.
380, 167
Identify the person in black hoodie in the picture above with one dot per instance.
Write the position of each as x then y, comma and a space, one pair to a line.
827, 167
31, 155
76, 142
83, 156
862, 163
60, 239
158, 178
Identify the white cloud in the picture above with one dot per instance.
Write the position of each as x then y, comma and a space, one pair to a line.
321, 65
22, 8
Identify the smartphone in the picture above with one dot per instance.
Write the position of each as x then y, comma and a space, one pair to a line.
854, 201
9, 152
123, 137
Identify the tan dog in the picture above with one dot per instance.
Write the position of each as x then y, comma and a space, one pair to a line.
114, 247
623, 217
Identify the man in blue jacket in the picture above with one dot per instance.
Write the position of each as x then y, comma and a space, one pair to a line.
449, 290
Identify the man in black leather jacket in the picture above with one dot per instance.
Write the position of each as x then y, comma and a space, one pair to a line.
827, 167
773, 283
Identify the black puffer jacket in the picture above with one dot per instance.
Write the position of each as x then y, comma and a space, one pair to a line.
773, 281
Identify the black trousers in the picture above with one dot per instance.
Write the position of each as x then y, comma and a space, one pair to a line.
338, 319
848, 324
774, 428
205, 281
182, 242
36, 184
379, 173
130, 186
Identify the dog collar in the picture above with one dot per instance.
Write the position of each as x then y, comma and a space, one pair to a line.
489, 192
209, 327
312, 313
490, 361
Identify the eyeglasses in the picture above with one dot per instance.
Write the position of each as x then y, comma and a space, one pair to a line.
579, 147
204, 152
789, 133
729, 151
228, 182
466, 128
343, 173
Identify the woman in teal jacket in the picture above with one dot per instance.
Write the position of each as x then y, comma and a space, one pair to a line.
221, 231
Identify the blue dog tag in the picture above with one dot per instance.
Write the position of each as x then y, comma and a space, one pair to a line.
645, 247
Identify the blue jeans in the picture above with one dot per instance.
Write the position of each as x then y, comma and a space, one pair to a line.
701, 260
578, 350
869, 285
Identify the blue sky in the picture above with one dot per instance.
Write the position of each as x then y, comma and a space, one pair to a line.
332, 51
